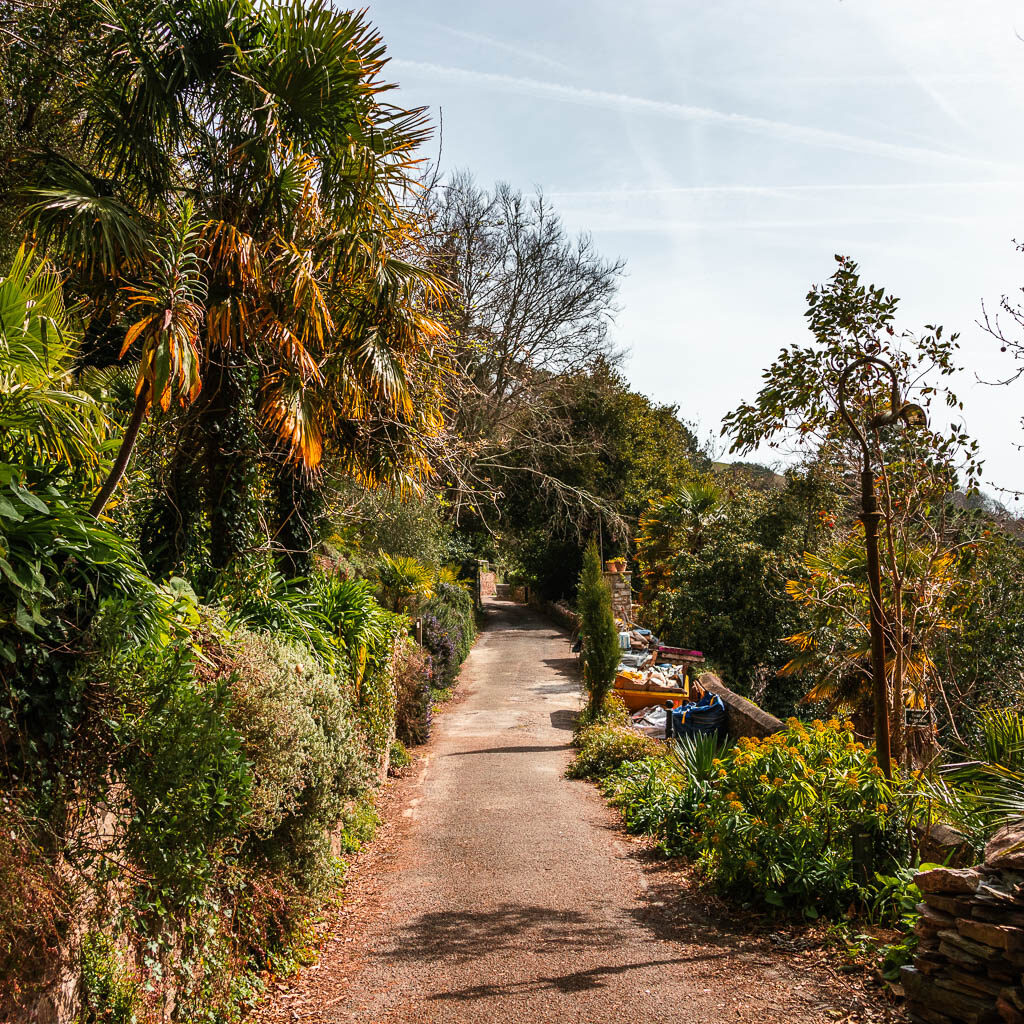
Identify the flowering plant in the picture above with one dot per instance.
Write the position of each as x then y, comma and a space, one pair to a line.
802, 818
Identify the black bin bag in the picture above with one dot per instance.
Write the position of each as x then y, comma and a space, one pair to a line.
703, 718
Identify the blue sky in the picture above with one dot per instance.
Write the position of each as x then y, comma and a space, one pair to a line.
727, 150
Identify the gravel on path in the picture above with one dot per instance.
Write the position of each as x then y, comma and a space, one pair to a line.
502, 892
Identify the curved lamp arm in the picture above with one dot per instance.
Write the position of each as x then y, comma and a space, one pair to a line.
912, 415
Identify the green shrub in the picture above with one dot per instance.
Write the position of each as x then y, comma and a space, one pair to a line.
412, 681
361, 822
299, 729
775, 821
377, 693
110, 992
601, 653
780, 823
604, 746
184, 766
646, 791
449, 629
400, 757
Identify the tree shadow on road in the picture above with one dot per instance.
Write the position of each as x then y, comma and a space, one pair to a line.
564, 719
536, 749
464, 935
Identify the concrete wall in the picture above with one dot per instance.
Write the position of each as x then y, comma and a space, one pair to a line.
742, 717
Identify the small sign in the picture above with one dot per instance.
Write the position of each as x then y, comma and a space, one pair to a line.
919, 718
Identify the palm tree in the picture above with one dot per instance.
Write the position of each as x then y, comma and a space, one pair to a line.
44, 418
239, 215
678, 522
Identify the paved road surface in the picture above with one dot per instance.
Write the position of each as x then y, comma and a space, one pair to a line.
510, 894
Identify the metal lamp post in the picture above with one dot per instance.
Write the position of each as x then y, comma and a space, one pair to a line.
911, 415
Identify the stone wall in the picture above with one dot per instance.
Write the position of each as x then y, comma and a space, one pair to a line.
621, 584
488, 583
560, 613
742, 717
969, 964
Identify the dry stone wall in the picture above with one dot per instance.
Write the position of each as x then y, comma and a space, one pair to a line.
969, 965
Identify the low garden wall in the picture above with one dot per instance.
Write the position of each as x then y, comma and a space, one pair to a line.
742, 717
970, 956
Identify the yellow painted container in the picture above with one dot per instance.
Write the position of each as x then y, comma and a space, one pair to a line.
635, 699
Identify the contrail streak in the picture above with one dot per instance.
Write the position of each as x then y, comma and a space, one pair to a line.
782, 130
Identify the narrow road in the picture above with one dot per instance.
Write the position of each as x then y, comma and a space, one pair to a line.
508, 893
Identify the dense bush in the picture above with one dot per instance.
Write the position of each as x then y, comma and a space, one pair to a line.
195, 808
776, 821
449, 628
412, 682
604, 746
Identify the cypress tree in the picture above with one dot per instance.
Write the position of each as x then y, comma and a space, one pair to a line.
600, 637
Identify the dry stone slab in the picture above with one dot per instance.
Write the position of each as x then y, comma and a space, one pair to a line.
1005, 850
948, 880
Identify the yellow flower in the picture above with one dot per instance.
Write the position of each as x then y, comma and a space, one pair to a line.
883, 808
731, 796
763, 778
751, 865
735, 805
848, 725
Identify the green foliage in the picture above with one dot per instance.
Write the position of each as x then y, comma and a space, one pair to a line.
184, 766
449, 629
604, 746
981, 794
299, 732
842, 398
360, 823
895, 902
713, 565
405, 582
604, 453
600, 636
44, 418
400, 757
110, 993
412, 682
779, 821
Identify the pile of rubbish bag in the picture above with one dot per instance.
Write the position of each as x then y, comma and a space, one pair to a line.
645, 664
702, 717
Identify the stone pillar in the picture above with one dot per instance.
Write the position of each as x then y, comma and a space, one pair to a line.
622, 594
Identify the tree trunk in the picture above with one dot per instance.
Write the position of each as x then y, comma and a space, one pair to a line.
124, 453
227, 422
299, 511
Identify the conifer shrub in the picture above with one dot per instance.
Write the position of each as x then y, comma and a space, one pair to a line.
601, 651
